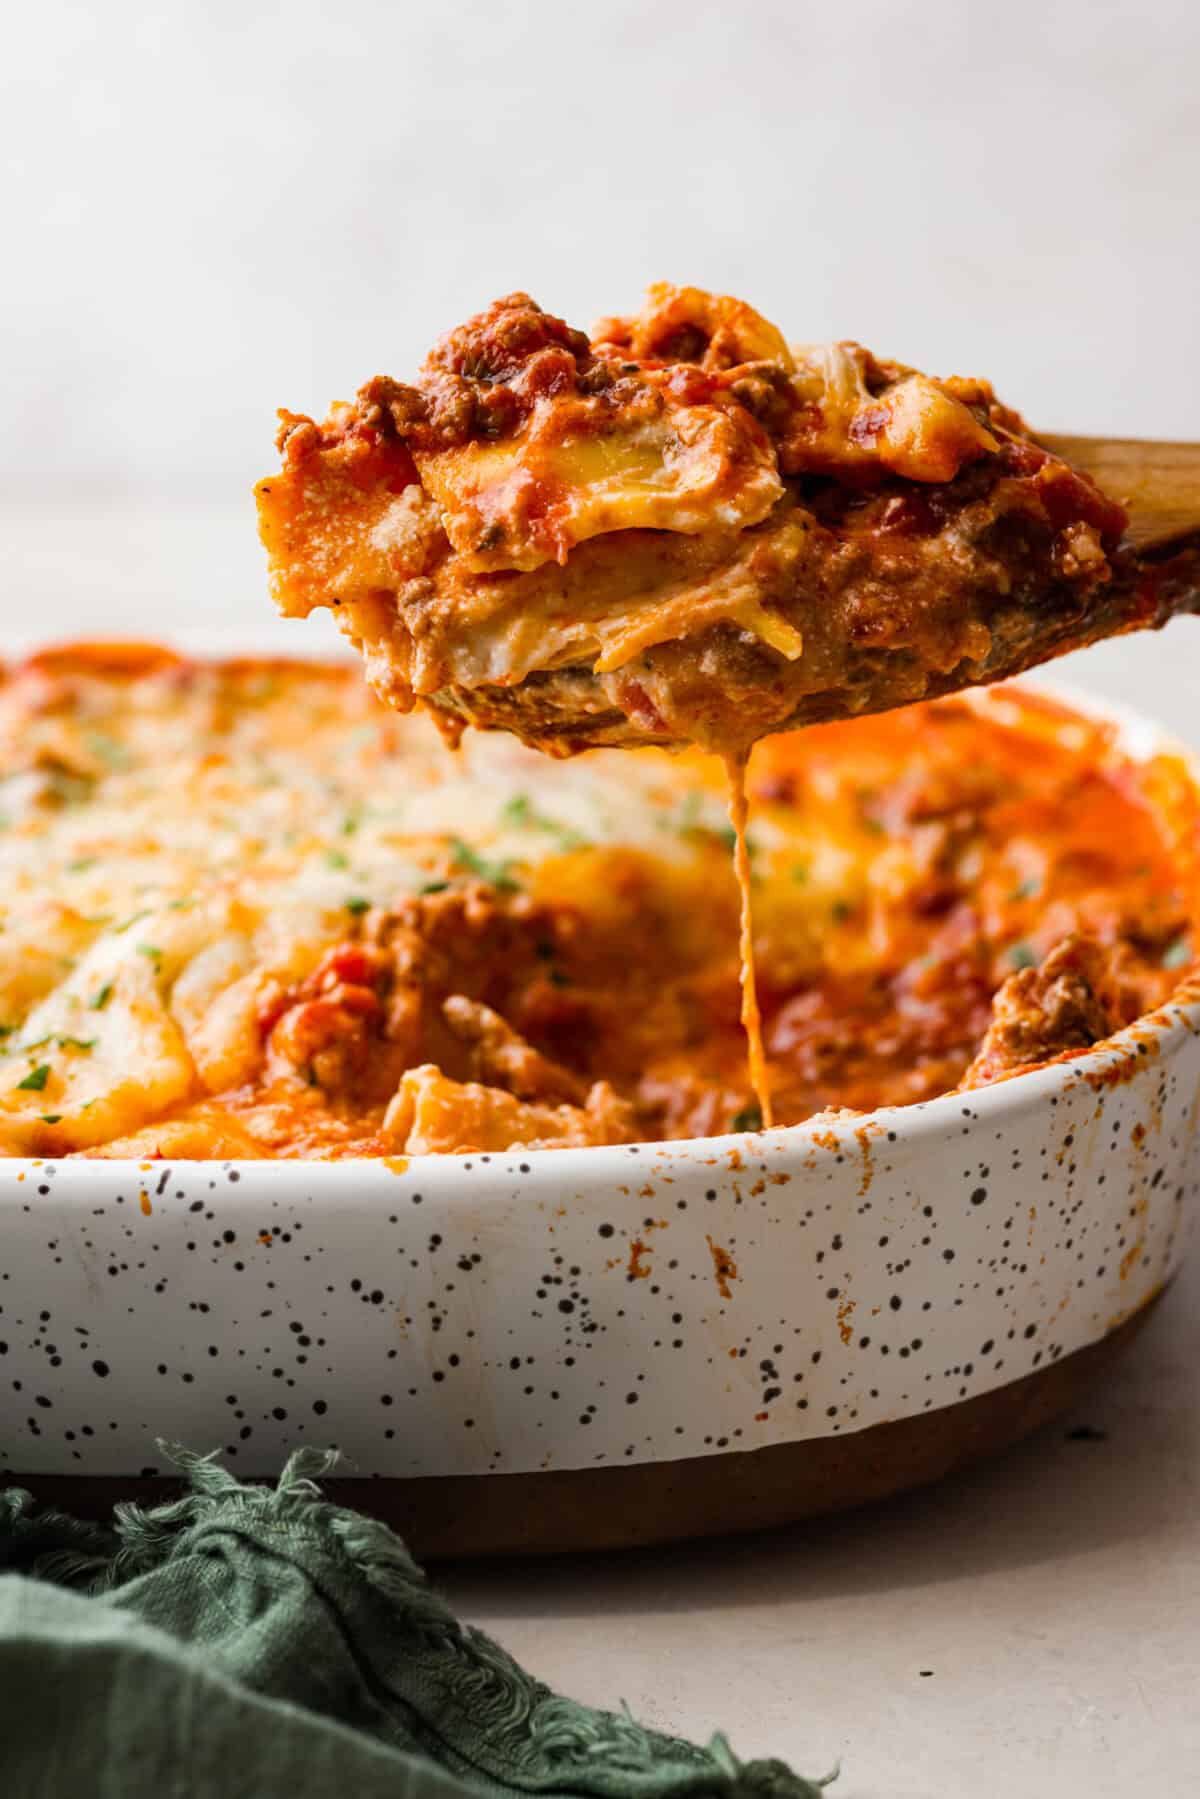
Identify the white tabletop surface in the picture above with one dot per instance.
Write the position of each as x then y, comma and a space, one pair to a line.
1032, 1628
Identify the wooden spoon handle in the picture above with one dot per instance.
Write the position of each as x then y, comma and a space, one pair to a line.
1159, 483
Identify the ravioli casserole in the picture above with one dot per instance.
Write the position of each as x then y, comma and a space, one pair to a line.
248, 911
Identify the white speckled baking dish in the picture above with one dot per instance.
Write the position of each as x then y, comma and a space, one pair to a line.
529, 1313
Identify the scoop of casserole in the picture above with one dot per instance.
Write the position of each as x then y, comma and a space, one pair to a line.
682, 530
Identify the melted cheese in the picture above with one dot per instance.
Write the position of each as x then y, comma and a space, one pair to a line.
735, 774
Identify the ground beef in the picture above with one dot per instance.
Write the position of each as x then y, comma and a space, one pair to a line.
1073, 999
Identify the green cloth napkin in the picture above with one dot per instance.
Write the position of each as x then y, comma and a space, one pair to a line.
251, 1641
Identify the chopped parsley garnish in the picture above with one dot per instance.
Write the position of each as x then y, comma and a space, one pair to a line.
688, 820
83, 1044
110, 752
50, 1117
519, 810
689, 815
1177, 954
180, 905
840, 911
80, 865
433, 887
356, 905
101, 998
799, 873
151, 952
495, 873
1028, 889
350, 824
748, 1119
35, 1080
1022, 955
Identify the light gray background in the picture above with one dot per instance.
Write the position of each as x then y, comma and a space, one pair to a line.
214, 210
218, 209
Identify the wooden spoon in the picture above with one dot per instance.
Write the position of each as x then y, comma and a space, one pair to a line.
1159, 484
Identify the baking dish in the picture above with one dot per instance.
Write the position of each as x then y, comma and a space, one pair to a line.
565, 1347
